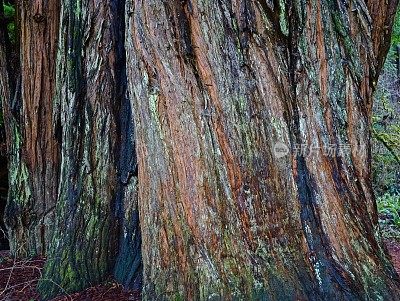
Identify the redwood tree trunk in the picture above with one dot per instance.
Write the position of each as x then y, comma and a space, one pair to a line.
223, 93
97, 194
215, 86
31, 143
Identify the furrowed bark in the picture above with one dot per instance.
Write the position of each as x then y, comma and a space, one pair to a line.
97, 159
32, 146
215, 85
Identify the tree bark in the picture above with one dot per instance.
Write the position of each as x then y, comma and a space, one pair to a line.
219, 89
226, 96
97, 194
32, 146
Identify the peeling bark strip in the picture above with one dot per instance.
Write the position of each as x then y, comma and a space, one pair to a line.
215, 85
32, 147
95, 181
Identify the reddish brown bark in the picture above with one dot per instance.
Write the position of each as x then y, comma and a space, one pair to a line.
382, 15
215, 85
32, 145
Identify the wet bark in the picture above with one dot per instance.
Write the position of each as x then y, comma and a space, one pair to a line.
97, 202
215, 86
33, 152
225, 94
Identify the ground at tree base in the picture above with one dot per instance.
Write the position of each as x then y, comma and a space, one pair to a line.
18, 280
394, 251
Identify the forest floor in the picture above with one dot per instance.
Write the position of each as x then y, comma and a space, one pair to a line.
394, 251
18, 280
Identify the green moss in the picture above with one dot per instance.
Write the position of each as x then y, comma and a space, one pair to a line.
153, 106
348, 45
178, 297
396, 29
91, 226
78, 9
283, 22
18, 173
153, 100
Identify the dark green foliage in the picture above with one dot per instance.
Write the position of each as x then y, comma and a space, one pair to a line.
386, 134
386, 146
396, 30
9, 11
389, 208
9, 14
386, 139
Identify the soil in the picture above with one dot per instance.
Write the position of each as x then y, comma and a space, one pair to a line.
18, 280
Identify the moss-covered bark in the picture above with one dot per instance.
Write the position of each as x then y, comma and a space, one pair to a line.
215, 86
97, 197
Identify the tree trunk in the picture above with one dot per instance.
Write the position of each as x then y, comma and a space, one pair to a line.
97, 158
32, 146
7, 88
252, 130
